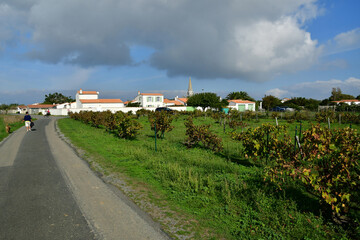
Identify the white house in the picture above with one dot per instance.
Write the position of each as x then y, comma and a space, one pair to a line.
90, 100
242, 105
150, 99
101, 104
39, 108
349, 101
85, 95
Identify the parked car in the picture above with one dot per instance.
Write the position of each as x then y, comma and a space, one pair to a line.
278, 109
164, 109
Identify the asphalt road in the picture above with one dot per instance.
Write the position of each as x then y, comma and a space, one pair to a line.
48, 192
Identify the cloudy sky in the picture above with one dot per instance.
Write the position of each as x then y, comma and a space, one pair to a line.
286, 48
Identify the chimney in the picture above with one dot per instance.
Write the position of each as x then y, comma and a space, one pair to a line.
176, 98
138, 92
80, 91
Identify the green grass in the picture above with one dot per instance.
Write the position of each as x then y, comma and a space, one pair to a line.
14, 122
224, 194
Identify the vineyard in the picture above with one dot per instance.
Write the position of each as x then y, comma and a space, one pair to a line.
233, 172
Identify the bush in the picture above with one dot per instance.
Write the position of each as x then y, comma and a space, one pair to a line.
197, 134
123, 125
163, 122
327, 165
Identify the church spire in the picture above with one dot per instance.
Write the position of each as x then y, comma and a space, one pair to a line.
190, 91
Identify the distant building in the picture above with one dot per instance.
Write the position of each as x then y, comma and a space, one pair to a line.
348, 101
242, 105
182, 100
190, 91
90, 100
150, 99
170, 103
285, 100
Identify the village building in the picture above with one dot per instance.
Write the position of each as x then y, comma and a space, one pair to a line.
348, 102
39, 108
242, 105
150, 99
90, 100
172, 103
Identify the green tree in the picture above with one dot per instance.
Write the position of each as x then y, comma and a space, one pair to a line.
270, 102
205, 100
358, 97
131, 104
298, 102
337, 95
239, 95
57, 98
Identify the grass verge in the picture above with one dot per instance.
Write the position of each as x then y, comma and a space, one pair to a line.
14, 121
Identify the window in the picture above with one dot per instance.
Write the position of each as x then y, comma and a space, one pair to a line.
149, 99
158, 99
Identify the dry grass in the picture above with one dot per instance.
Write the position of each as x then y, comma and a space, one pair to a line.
8, 119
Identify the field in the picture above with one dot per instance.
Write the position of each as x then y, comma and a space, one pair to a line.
212, 195
13, 120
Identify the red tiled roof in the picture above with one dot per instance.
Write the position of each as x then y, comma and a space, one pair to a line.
101, 100
240, 101
41, 106
350, 100
173, 101
128, 102
151, 94
22, 106
88, 92
183, 99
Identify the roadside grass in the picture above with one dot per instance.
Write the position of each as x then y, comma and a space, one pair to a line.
14, 122
222, 195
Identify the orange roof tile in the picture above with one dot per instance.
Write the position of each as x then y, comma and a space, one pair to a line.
183, 99
88, 92
152, 94
240, 101
41, 106
173, 101
350, 100
101, 100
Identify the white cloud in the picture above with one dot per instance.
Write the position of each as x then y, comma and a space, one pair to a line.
276, 92
205, 39
319, 89
343, 42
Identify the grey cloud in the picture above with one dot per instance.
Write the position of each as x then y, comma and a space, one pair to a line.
204, 38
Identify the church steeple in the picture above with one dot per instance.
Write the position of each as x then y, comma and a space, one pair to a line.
190, 91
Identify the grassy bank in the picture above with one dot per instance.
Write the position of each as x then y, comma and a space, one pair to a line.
222, 195
14, 121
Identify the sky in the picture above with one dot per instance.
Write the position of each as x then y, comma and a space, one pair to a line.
284, 48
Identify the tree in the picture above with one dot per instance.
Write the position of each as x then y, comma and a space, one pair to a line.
239, 95
205, 100
358, 97
57, 98
270, 102
310, 104
131, 104
337, 95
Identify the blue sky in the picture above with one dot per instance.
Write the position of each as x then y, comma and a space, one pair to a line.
287, 49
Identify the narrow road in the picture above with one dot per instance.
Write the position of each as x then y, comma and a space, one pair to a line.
48, 192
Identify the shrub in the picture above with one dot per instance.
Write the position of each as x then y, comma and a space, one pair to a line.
327, 164
163, 122
202, 134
